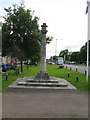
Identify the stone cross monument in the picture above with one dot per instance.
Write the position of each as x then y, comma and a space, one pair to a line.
43, 74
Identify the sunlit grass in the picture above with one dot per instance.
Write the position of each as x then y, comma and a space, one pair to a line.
63, 73
52, 70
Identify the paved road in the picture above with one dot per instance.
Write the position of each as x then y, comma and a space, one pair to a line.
81, 69
36, 103
0, 106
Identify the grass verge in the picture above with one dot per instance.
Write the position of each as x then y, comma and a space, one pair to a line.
52, 70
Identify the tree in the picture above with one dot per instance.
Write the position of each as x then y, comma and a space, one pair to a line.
21, 34
83, 53
53, 58
49, 39
64, 53
75, 56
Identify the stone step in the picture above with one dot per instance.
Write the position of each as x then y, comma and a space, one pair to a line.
43, 84
43, 81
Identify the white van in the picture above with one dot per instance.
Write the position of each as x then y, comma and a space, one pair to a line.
60, 62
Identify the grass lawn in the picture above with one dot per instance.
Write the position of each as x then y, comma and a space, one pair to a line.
52, 70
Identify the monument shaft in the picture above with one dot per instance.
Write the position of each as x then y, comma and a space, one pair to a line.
43, 74
43, 54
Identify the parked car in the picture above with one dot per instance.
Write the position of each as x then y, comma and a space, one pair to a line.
51, 63
33, 63
6, 67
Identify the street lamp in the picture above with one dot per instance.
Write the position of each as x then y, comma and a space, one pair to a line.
88, 2
56, 47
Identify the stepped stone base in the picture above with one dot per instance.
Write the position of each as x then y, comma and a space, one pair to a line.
42, 81
42, 75
32, 82
43, 84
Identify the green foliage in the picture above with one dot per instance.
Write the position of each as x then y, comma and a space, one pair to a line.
49, 39
64, 53
83, 53
75, 56
78, 56
21, 34
53, 58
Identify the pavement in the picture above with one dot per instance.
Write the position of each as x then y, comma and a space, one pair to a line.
0, 106
44, 103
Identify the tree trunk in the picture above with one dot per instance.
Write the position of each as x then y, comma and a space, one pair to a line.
16, 62
21, 66
27, 64
15, 66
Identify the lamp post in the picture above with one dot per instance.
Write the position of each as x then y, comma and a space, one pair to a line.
56, 47
1, 24
88, 39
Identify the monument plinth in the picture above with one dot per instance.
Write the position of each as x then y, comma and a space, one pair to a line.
43, 74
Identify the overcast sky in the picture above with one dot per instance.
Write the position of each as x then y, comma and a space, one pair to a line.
66, 20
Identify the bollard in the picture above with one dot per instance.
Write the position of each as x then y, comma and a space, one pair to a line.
76, 69
66, 67
18, 71
70, 68
76, 78
6, 76
68, 74
85, 72
14, 71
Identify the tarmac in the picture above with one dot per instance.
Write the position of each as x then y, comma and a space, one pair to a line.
79, 68
0, 106
44, 103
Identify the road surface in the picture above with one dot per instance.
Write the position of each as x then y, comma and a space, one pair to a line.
44, 103
0, 106
79, 68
